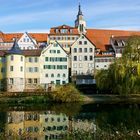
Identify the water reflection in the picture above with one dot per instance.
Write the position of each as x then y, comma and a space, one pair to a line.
54, 123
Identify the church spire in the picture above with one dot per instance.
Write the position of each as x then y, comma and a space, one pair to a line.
80, 23
80, 11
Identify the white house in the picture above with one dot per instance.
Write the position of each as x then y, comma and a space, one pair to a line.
54, 65
82, 56
82, 60
26, 42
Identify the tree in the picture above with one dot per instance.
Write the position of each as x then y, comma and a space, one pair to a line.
123, 76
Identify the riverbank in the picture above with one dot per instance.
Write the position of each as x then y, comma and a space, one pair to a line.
19, 98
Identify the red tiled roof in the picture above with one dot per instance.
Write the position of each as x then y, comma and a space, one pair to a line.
39, 37
9, 36
101, 37
74, 30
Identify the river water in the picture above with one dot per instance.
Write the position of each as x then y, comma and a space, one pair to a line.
55, 121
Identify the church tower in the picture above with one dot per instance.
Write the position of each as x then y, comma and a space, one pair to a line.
80, 23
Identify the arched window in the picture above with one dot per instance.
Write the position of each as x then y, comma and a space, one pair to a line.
64, 75
52, 75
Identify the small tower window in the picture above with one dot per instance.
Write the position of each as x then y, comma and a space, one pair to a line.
12, 57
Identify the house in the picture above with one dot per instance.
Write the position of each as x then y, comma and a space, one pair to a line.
54, 65
65, 35
82, 60
26, 40
15, 76
118, 43
32, 69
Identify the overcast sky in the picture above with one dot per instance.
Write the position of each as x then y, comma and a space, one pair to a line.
40, 15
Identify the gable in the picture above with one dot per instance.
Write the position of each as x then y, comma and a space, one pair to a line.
83, 40
26, 39
54, 49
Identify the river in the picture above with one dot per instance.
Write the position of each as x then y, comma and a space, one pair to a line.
56, 121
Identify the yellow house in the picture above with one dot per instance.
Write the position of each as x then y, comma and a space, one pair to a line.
32, 69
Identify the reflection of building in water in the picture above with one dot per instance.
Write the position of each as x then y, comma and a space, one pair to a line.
32, 125
83, 125
36, 125
24, 124
53, 125
15, 123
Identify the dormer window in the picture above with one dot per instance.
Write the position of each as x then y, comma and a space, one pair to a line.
57, 30
71, 30
64, 31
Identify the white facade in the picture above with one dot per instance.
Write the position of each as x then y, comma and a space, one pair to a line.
82, 57
26, 42
103, 62
54, 65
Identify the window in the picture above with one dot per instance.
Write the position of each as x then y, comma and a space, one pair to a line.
75, 58
89, 65
63, 82
75, 50
11, 81
64, 30
90, 50
30, 59
80, 58
85, 58
46, 59
35, 80
80, 49
21, 68
11, 68
30, 69
57, 30
58, 82
52, 75
35, 69
58, 51
21, 58
85, 50
64, 75
85, 42
36, 59
52, 82
80, 42
29, 80
27, 39
46, 75
58, 75
80, 65
12, 57
90, 58
75, 65
71, 30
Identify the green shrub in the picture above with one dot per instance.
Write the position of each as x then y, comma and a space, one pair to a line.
66, 93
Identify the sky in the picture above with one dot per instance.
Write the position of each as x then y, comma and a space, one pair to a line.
41, 15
